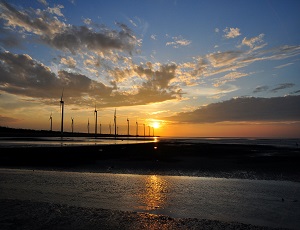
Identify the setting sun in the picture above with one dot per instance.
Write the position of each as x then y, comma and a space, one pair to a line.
156, 125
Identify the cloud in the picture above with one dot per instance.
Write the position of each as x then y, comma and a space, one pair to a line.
22, 75
67, 37
232, 76
87, 21
178, 41
251, 42
56, 10
70, 62
231, 32
221, 59
282, 86
4, 119
153, 37
245, 109
44, 2
259, 89
284, 65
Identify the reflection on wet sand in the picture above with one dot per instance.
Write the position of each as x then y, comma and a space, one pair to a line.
154, 196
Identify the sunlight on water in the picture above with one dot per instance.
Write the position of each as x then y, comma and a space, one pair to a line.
259, 202
154, 195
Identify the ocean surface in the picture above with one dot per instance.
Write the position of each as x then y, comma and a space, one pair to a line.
259, 202
79, 141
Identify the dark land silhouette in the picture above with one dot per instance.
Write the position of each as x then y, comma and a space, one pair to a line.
165, 157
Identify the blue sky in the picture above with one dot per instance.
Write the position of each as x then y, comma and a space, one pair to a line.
158, 61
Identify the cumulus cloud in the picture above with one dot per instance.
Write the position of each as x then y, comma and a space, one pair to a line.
56, 10
70, 62
245, 109
22, 75
231, 32
59, 35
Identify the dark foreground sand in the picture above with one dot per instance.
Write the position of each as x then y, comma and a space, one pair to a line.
16, 214
162, 158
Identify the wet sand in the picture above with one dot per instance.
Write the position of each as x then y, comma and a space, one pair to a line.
160, 158
163, 158
16, 214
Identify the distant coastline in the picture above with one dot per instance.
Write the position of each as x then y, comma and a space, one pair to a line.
19, 132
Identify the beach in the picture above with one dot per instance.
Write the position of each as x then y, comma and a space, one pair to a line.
254, 162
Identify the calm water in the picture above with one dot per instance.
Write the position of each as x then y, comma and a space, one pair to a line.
247, 201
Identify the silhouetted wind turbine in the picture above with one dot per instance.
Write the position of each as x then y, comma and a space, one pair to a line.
100, 129
127, 126
62, 112
137, 128
50, 122
149, 130
88, 126
72, 124
95, 114
115, 122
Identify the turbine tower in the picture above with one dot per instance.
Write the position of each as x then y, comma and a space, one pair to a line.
95, 115
137, 128
72, 124
127, 126
62, 113
50, 122
115, 122
88, 126
100, 129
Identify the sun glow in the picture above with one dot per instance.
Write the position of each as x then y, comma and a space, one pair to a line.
156, 125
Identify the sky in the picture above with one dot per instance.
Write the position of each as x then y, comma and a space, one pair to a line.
178, 68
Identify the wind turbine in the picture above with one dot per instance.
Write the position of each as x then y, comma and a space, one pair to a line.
62, 113
95, 115
88, 126
50, 122
100, 129
137, 128
127, 126
115, 122
149, 130
72, 124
